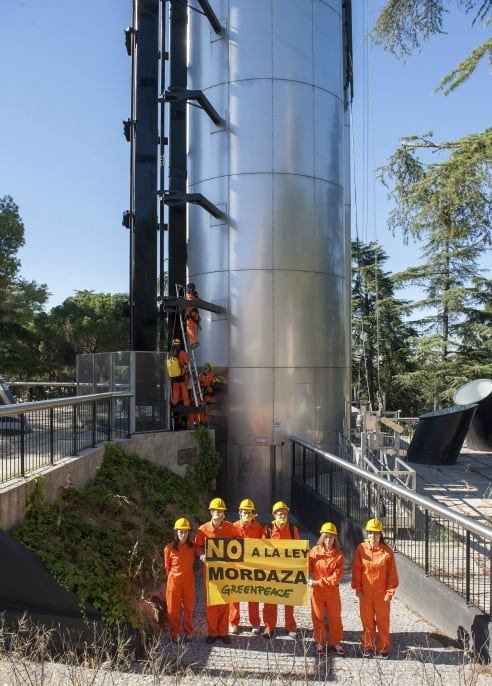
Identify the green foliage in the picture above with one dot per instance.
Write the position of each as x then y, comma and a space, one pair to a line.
201, 473
84, 323
20, 300
404, 25
447, 204
381, 340
105, 542
465, 68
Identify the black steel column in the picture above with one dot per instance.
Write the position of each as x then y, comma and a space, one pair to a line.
177, 147
143, 285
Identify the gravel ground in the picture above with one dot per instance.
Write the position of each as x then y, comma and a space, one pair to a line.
419, 655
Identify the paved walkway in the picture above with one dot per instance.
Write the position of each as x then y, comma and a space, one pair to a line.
419, 654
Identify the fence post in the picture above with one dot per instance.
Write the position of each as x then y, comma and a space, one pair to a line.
426, 542
467, 567
94, 422
22, 444
52, 435
74, 430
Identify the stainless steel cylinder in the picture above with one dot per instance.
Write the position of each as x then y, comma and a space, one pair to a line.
280, 262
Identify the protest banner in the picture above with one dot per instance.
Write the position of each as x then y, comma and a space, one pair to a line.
256, 570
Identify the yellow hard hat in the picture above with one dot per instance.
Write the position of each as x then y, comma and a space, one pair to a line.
176, 341
217, 504
328, 528
246, 504
374, 525
208, 364
280, 506
181, 523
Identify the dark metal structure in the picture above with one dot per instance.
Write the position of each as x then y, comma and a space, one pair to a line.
159, 86
142, 130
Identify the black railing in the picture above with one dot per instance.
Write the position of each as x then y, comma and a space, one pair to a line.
450, 547
39, 434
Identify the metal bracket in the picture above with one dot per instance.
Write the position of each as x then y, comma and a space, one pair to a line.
174, 198
182, 94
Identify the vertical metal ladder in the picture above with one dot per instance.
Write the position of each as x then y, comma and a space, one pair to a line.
195, 382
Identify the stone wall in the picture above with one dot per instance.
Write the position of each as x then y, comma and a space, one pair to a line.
171, 449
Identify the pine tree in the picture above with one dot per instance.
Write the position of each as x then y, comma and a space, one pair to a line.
381, 339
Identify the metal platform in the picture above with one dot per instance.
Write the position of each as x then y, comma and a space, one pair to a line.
465, 487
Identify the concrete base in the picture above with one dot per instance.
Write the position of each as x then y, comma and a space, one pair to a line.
171, 449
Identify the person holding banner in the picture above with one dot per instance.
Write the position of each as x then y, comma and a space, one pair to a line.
217, 527
247, 527
374, 579
179, 557
279, 529
326, 564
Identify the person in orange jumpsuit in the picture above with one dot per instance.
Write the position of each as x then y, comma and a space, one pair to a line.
192, 316
217, 527
179, 556
279, 529
247, 527
326, 564
207, 380
179, 384
374, 579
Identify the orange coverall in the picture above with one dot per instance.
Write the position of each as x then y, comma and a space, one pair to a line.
374, 575
206, 379
180, 588
192, 318
253, 530
270, 610
180, 388
217, 615
327, 566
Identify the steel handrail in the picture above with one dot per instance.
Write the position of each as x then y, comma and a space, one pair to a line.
22, 408
422, 500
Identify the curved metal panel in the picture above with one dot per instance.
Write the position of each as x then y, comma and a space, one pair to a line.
251, 389
293, 105
250, 473
282, 260
214, 332
251, 316
293, 222
250, 126
208, 240
295, 399
250, 39
328, 151
208, 146
293, 41
293, 331
327, 47
250, 219
329, 222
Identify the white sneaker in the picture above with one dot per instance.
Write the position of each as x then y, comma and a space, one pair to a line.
319, 649
256, 630
233, 629
339, 650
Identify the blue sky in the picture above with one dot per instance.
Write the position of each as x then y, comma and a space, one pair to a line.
66, 90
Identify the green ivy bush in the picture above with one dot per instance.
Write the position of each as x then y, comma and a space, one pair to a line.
105, 542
